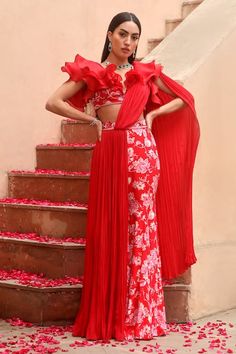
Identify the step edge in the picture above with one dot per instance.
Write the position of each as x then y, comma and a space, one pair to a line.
177, 287
46, 175
73, 121
14, 284
45, 147
44, 207
174, 20
156, 39
68, 246
192, 2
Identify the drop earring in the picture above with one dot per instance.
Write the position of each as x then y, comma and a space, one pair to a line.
109, 46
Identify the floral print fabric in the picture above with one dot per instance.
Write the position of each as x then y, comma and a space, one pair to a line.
145, 316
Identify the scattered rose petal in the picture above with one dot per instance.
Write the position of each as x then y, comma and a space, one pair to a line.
42, 239
39, 171
37, 280
40, 202
65, 145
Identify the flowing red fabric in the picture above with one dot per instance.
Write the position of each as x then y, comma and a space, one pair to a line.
177, 136
103, 304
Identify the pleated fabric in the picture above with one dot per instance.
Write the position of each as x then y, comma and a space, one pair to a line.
177, 135
102, 309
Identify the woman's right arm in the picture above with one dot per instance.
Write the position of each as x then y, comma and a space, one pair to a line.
57, 102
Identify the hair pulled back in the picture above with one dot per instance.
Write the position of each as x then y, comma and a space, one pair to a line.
115, 22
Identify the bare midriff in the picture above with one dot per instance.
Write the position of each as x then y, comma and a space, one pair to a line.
110, 113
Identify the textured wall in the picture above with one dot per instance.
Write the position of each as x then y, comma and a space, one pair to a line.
36, 38
200, 53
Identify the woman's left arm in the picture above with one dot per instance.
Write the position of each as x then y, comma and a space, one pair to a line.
172, 106
169, 107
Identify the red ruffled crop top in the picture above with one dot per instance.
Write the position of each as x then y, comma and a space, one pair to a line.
104, 86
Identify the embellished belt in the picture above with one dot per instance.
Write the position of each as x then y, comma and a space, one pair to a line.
140, 124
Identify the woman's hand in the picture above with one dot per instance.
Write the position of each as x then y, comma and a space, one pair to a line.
149, 120
98, 125
99, 129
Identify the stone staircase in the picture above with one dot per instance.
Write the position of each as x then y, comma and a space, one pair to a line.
42, 228
171, 24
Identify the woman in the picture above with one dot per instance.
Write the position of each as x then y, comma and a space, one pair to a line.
122, 295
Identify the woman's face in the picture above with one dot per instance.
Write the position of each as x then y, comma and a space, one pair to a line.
124, 39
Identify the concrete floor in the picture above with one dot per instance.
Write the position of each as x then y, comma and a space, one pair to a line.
213, 334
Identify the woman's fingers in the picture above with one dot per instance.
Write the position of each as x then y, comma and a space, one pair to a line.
99, 130
149, 122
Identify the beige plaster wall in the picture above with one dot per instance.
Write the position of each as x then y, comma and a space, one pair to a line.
200, 53
214, 275
36, 38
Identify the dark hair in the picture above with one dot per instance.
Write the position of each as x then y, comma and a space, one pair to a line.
115, 22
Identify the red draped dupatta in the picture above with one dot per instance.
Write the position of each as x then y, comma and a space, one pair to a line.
103, 303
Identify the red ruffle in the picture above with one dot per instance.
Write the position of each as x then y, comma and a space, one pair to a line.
95, 76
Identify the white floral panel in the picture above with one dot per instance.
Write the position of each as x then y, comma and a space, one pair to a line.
145, 317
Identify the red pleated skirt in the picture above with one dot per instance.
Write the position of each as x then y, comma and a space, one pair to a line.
134, 310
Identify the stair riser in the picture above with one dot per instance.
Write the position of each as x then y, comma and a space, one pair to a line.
52, 262
78, 133
177, 305
49, 222
171, 25
64, 159
40, 306
44, 307
188, 8
152, 43
184, 278
49, 188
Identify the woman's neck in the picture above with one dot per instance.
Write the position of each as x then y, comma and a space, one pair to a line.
115, 60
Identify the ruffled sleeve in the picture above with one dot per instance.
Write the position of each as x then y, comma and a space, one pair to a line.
154, 97
158, 97
91, 73
146, 74
74, 69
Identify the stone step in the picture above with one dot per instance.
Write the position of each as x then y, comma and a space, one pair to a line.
43, 306
28, 246
170, 25
153, 42
189, 6
65, 157
60, 304
50, 186
52, 259
44, 218
184, 278
177, 302
76, 132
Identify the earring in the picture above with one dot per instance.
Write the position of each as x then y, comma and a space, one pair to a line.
134, 53
109, 46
